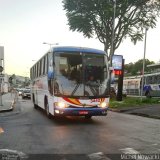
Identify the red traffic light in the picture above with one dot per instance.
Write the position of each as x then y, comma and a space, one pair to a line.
118, 72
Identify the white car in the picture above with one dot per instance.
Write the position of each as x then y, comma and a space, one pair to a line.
20, 90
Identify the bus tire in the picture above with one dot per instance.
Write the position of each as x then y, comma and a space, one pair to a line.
47, 109
88, 117
148, 95
34, 104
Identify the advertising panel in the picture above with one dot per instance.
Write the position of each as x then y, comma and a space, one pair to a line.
117, 61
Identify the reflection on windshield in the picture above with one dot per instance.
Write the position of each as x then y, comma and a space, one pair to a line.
80, 74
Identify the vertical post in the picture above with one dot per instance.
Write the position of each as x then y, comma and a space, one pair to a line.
1, 69
120, 84
1, 94
143, 63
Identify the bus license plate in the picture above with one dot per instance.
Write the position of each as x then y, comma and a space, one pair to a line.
83, 112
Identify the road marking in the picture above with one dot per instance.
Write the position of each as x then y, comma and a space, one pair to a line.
21, 155
98, 155
129, 151
1, 130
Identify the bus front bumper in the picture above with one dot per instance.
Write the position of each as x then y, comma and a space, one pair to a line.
81, 111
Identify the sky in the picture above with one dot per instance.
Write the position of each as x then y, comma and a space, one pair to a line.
25, 25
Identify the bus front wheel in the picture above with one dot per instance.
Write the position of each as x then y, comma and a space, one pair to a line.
88, 117
147, 94
47, 110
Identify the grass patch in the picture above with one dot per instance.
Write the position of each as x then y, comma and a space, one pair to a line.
133, 102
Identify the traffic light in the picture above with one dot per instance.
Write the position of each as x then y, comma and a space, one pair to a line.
118, 72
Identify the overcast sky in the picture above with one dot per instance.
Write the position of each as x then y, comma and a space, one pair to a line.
26, 24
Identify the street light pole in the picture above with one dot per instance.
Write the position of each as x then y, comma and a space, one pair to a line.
144, 62
50, 44
1, 69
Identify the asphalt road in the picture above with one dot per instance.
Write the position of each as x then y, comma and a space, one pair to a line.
28, 131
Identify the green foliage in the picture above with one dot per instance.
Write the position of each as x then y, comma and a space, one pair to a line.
136, 68
95, 18
133, 102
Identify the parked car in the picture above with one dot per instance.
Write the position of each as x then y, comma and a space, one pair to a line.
26, 93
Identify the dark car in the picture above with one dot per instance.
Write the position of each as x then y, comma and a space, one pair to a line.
26, 93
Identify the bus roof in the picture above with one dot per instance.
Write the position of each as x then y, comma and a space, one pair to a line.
76, 49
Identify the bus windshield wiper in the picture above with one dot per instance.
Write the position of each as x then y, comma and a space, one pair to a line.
75, 89
93, 88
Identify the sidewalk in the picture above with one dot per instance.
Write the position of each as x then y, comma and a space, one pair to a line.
151, 111
7, 102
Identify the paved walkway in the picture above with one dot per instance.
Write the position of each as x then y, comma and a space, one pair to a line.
7, 102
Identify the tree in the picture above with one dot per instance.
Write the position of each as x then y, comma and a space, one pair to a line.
95, 18
136, 68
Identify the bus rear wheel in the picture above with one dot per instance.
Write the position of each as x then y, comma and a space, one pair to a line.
148, 95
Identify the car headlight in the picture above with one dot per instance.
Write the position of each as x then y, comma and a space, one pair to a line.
61, 104
103, 105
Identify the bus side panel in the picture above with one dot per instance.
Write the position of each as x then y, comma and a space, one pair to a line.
40, 90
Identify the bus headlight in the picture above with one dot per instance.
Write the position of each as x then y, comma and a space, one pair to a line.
103, 104
61, 104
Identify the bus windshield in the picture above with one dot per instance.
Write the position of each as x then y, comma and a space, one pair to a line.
80, 74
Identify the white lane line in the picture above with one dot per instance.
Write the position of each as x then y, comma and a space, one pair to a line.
1, 130
129, 151
155, 144
98, 156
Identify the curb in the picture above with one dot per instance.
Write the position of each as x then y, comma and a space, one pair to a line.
127, 109
135, 113
145, 115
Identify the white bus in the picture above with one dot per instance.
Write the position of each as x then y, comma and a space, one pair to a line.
151, 86
71, 81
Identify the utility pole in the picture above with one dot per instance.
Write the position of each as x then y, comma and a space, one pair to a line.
1, 69
120, 83
144, 62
